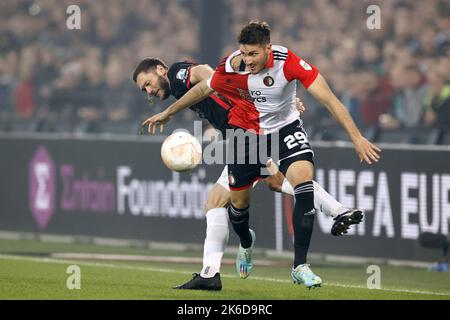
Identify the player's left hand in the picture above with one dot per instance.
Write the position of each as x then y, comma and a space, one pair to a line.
366, 151
158, 119
299, 105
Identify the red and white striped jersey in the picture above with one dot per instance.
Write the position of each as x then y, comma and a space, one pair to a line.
263, 102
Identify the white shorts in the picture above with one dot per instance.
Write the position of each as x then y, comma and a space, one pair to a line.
223, 179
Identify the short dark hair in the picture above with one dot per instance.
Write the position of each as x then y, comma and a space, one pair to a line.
256, 32
147, 65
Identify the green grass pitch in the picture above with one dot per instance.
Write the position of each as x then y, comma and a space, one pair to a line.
27, 272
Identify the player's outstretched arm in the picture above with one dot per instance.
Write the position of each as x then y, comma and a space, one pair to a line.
321, 91
198, 93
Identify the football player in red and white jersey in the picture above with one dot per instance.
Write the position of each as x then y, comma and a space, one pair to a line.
263, 96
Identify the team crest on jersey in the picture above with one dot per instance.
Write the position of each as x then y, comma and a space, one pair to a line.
231, 180
182, 74
268, 81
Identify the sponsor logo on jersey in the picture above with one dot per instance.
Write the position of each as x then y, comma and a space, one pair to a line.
253, 96
268, 81
257, 96
182, 74
244, 94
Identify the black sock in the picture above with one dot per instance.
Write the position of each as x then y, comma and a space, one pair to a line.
303, 220
239, 220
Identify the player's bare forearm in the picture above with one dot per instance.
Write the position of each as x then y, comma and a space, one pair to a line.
322, 92
198, 93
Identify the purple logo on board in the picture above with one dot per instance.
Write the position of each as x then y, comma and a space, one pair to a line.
42, 186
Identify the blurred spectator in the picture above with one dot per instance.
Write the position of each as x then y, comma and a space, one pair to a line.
437, 99
47, 72
25, 93
117, 99
410, 111
411, 88
91, 88
65, 95
377, 97
370, 56
352, 97
7, 82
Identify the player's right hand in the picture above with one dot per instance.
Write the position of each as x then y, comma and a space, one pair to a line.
158, 119
366, 151
299, 105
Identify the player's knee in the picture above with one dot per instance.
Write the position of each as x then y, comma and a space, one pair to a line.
306, 176
217, 198
299, 172
215, 203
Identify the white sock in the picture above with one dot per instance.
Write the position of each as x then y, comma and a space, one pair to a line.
215, 242
323, 201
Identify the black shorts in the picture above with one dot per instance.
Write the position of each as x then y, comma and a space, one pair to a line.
247, 160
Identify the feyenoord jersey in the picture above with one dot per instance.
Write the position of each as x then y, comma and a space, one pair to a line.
263, 102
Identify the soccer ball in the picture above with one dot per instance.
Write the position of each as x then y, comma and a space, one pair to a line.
181, 152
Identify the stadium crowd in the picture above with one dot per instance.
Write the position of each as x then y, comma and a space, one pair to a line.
395, 77
73, 78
